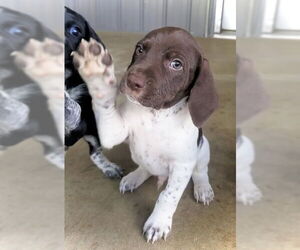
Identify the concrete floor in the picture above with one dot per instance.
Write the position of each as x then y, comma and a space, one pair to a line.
273, 222
31, 200
97, 216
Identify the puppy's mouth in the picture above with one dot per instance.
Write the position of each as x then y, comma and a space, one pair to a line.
141, 97
130, 95
133, 100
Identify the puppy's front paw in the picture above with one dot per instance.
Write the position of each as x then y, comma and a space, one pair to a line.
203, 193
157, 227
44, 63
95, 66
113, 171
128, 183
248, 193
133, 180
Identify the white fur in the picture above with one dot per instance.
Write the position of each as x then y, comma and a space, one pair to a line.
14, 114
246, 190
72, 113
162, 142
47, 70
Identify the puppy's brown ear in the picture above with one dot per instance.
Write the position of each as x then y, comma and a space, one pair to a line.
203, 98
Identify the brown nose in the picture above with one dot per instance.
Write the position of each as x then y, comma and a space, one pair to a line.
135, 82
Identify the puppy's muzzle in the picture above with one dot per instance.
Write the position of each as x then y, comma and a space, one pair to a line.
135, 82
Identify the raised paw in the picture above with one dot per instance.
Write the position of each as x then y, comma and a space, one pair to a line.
44, 63
95, 66
203, 193
157, 227
248, 193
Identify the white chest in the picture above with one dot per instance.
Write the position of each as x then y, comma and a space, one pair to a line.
159, 138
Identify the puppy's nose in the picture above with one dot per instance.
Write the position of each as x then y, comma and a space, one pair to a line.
135, 82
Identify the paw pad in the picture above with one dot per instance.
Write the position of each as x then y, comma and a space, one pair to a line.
95, 49
107, 60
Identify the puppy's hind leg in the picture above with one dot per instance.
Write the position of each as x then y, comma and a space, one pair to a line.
203, 191
109, 169
53, 150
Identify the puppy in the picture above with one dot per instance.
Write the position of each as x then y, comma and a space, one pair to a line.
170, 93
251, 99
24, 109
79, 116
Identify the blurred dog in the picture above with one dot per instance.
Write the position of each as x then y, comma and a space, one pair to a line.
79, 116
251, 99
24, 110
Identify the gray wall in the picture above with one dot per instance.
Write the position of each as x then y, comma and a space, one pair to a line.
145, 15
49, 12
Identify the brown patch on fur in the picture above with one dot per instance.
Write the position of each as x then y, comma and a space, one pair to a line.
153, 82
95, 49
107, 60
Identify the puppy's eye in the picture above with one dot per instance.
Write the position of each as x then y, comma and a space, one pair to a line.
75, 31
17, 30
139, 50
176, 64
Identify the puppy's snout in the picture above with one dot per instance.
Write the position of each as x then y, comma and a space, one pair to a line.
135, 82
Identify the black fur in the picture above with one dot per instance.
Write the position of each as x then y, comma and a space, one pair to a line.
15, 31
88, 123
76, 29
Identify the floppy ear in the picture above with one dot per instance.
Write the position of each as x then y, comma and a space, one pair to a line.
251, 97
203, 98
90, 33
50, 34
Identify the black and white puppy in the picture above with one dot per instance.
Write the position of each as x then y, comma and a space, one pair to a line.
79, 116
24, 110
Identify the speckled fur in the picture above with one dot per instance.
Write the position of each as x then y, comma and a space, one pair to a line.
162, 142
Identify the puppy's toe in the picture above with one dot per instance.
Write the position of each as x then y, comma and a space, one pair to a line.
248, 194
113, 171
157, 228
54, 49
203, 193
20, 60
126, 185
95, 49
107, 59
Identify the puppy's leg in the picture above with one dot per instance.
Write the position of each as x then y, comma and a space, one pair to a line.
159, 223
109, 169
246, 190
134, 179
44, 63
202, 188
53, 150
72, 114
95, 66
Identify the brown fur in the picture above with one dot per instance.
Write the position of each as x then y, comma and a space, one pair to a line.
150, 80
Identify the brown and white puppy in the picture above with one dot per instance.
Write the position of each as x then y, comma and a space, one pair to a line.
170, 93
251, 99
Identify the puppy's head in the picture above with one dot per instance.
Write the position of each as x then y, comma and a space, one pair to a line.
76, 29
16, 29
167, 66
